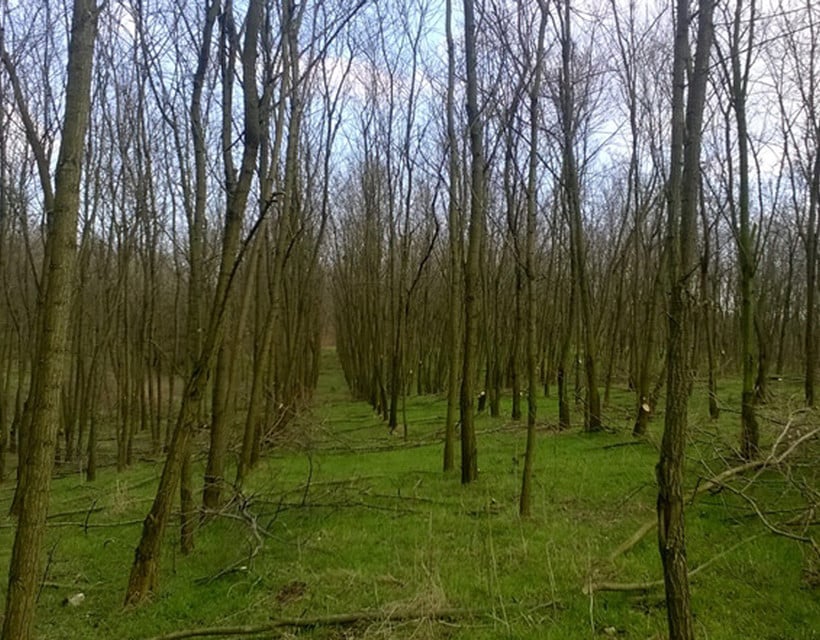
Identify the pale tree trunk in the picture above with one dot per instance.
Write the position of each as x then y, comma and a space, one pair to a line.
682, 194
6, 361
62, 209
454, 235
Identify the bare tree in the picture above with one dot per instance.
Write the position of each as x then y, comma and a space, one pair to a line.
62, 203
682, 202
571, 194
145, 571
475, 234
736, 65
455, 248
524, 506
795, 70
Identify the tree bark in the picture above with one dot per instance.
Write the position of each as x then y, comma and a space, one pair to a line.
572, 195
455, 242
37, 458
525, 502
144, 576
738, 73
472, 275
682, 199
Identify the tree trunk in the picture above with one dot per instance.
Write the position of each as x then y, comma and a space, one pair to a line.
37, 458
524, 504
786, 314
738, 78
563, 375
811, 281
682, 194
187, 508
144, 576
707, 304
454, 237
761, 386
572, 195
472, 267
223, 390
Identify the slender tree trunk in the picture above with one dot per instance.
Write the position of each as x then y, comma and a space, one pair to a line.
707, 304
525, 502
472, 277
145, 571
810, 341
786, 315
515, 347
572, 194
646, 351
563, 377
37, 458
223, 390
187, 507
454, 236
738, 78
682, 194
761, 385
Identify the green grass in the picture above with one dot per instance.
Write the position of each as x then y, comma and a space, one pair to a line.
351, 518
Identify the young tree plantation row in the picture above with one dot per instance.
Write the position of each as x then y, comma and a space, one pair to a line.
539, 197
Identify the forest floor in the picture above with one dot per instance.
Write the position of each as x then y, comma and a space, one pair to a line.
349, 532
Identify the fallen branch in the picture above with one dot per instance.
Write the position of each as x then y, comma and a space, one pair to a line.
719, 480
336, 620
778, 531
81, 525
628, 443
646, 527
593, 587
76, 512
348, 504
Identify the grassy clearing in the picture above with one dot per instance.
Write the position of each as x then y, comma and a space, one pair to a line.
355, 519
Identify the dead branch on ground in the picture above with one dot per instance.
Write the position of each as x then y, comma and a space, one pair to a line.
719, 481
336, 620
593, 587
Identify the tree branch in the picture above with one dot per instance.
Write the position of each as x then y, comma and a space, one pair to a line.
719, 480
593, 587
335, 620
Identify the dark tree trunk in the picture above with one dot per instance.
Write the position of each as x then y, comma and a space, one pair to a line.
472, 274
682, 195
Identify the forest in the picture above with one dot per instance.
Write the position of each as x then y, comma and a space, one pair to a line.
409, 318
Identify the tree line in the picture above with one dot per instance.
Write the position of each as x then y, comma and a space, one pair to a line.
538, 198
